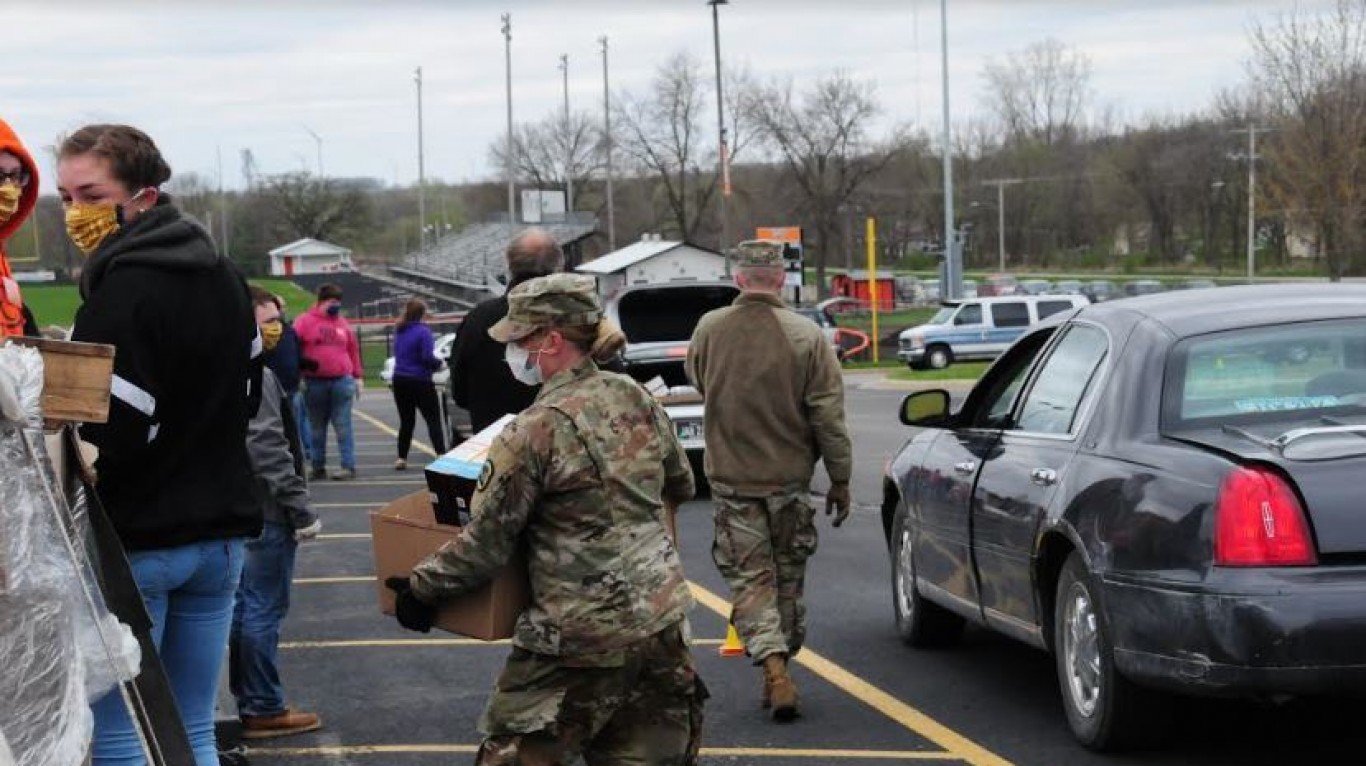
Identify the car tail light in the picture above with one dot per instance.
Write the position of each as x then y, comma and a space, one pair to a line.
1259, 522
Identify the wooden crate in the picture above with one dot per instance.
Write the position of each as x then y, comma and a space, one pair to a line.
76, 379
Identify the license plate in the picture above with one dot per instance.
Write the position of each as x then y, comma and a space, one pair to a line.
689, 431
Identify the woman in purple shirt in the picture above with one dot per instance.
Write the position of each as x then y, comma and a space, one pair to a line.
414, 362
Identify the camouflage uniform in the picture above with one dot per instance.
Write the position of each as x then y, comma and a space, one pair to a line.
600, 665
774, 397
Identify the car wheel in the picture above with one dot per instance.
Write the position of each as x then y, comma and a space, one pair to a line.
921, 623
938, 357
1105, 710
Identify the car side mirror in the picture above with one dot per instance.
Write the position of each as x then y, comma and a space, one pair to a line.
926, 409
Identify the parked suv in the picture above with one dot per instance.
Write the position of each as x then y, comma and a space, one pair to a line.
978, 329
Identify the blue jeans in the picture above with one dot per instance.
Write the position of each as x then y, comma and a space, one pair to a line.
301, 417
329, 401
189, 594
262, 602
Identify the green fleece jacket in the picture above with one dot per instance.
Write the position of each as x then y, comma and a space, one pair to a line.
774, 398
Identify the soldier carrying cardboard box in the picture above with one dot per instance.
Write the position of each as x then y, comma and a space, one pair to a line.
600, 666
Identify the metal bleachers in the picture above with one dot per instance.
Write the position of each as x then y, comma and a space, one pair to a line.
474, 258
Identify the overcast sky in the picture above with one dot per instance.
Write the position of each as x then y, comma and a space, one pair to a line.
208, 78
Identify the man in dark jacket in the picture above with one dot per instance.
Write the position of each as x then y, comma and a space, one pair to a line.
481, 381
287, 362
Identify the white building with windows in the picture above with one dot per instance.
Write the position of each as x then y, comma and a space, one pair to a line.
309, 256
654, 261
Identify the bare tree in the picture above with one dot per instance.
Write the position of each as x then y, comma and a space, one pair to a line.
664, 134
1040, 93
552, 150
312, 207
1311, 72
823, 140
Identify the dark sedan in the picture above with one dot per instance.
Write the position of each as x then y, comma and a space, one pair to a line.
1151, 491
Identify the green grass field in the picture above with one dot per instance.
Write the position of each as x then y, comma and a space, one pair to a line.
962, 371
57, 304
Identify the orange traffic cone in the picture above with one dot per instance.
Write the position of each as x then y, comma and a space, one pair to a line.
732, 647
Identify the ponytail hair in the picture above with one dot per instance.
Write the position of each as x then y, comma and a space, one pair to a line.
602, 341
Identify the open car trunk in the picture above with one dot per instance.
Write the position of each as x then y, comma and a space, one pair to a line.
659, 322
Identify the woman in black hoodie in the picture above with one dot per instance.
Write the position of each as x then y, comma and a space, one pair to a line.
173, 468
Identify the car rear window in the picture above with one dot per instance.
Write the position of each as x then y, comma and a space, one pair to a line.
1049, 308
1010, 314
668, 314
1293, 371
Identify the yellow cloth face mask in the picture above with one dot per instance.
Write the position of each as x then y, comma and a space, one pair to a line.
9, 201
270, 334
88, 225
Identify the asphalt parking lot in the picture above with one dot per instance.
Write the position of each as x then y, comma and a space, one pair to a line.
389, 696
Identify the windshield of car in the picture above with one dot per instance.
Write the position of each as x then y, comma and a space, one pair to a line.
942, 316
1308, 371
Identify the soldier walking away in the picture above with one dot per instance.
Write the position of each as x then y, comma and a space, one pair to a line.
774, 405
600, 666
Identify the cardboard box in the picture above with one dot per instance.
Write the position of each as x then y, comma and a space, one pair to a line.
405, 532
452, 477
76, 379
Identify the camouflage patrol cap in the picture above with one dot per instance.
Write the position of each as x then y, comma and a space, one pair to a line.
558, 300
759, 252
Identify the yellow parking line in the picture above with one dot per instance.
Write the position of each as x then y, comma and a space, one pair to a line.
381, 425
407, 643
711, 752
958, 746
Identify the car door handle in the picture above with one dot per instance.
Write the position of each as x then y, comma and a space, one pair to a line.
966, 468
1044, 477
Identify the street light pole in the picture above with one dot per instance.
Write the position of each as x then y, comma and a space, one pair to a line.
568, 140
511, 149
319, 140
721, 129
953, 266
421, 169
607, 146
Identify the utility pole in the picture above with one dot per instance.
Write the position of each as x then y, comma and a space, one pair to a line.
421, 170
222, 207
607, 146
1251, 131
953, 259
1001, 184
568, 141
721, 130
511, 150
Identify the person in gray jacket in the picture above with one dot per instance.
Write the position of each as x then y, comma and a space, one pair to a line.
263, 594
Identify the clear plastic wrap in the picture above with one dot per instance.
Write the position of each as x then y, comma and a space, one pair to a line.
59, 646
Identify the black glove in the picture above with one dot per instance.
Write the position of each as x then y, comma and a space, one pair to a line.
412, 612
837, 501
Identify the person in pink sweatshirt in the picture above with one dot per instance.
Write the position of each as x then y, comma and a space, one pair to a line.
333, 378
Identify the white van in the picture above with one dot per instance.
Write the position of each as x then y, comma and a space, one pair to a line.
981, 328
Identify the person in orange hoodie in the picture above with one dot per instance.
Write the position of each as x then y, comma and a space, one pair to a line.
18, 196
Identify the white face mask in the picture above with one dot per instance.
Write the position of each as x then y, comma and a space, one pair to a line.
524, 369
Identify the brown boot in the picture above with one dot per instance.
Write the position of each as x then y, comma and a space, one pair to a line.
780, 693
279, 725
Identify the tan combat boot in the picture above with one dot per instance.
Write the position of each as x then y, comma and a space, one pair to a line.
780, 693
